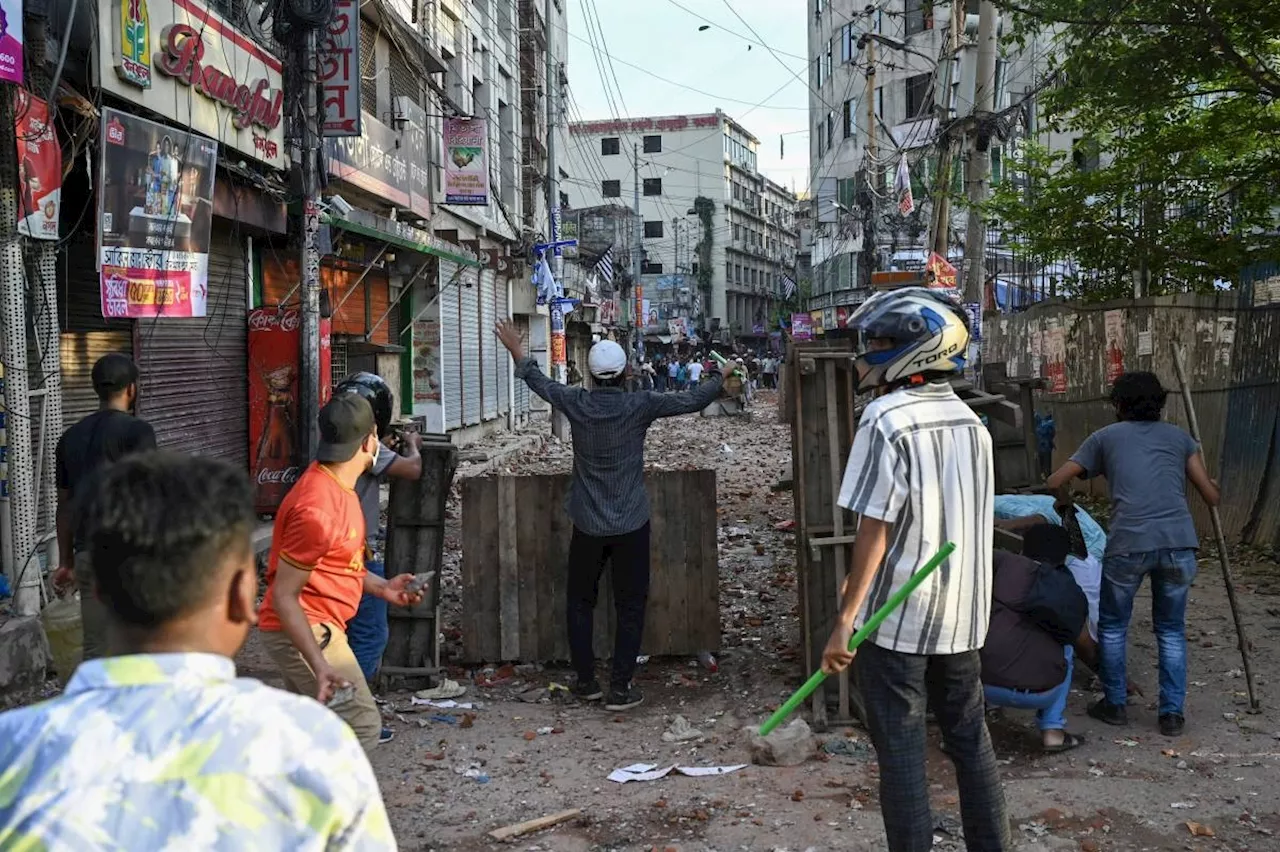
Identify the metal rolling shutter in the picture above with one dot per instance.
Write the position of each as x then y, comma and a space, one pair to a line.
450, 347
469, 327
504, 360
489, 341
194, 373
80, 350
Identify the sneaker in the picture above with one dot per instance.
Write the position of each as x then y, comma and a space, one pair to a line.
1171, 724
587, 690
386, 736
624, 699
1112, 714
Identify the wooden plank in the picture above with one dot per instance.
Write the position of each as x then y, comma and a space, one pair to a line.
707, 560
526, 494
507, 517
837, 515
537, 565
530, 826
479, 552
557, 535
683, 546
656, 620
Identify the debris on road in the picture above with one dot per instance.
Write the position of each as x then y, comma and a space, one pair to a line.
530, 826
790, 745
651, 772
681, 731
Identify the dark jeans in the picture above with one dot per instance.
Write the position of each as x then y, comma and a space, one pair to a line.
628, 556
368, 631
896, 689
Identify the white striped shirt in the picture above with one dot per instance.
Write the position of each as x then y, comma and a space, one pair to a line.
921, 460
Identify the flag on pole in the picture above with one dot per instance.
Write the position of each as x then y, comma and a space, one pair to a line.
545, 282
902, 188
604, 266
788, 286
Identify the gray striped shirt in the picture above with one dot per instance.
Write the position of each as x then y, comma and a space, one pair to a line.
921, 460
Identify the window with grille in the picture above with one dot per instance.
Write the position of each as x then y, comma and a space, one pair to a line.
651, 267
919, 96
653, 229
653, 186
611, 188
369, 69
653, 144
610, 146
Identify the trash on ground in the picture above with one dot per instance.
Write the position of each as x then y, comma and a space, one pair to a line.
533, 696
442, 705
445, 690
681, 731
542, 732
844, 747
1182, 806
651, 772
528, 827
1199, 830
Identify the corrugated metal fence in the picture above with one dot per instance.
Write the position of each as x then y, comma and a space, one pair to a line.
1233, 357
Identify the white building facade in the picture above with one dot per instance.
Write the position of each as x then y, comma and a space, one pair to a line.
731, 264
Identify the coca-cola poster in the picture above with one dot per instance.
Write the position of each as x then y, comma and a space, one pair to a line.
155, 217
273, 346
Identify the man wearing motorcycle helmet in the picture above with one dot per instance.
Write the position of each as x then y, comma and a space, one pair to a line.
919, 475
368, 631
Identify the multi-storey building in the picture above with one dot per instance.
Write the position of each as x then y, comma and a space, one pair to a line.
729, 264
883, 83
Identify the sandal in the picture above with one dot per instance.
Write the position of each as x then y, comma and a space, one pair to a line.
1069, 741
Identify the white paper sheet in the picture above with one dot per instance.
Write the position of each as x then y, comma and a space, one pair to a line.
650, 772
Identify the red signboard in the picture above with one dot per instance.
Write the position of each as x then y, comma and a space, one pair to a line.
668, 123
274, 464
39, 168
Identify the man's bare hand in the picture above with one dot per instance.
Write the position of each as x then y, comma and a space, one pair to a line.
728, 368
836, 657
328, 684
64, 579
510, 338
401, 591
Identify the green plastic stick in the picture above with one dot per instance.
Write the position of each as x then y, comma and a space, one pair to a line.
872, 623
720, 359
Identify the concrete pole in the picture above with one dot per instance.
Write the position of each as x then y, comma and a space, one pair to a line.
309, 333
941, 233
978, 169
637, 290
559, 358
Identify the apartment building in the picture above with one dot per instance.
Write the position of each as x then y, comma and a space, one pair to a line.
663, 165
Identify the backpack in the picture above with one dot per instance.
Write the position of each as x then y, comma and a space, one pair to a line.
1056, 603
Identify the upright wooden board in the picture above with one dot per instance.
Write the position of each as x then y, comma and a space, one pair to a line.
515, 551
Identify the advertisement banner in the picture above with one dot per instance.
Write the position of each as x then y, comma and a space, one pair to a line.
155, 211
801, 327
373, 161
339, 71
1114, 329
842, 317
428, 398
11, 41
274, 464
414, 136
974, 310
39, 168
608, 311
466, 161
940, 273
1055, 356
815, 323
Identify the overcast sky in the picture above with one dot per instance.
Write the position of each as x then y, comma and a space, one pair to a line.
657, 37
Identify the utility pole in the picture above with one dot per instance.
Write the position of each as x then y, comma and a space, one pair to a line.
636, 243
675, 232
978, 169
309, 336
559, 365
872, 170
941, 233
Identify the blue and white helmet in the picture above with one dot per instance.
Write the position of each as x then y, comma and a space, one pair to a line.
929, 330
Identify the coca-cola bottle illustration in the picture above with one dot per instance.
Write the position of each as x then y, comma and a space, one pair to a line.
276, 470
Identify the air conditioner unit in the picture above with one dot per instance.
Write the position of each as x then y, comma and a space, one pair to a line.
401, 108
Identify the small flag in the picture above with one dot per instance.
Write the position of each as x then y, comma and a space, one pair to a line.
788, 286
902, 188
545, 282
604, 266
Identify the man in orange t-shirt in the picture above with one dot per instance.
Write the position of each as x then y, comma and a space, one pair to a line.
316, 573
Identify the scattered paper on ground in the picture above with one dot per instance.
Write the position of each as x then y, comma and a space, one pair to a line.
651, 772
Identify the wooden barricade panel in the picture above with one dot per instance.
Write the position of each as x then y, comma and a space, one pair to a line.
515, 552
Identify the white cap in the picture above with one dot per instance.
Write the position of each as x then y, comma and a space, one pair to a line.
606, 360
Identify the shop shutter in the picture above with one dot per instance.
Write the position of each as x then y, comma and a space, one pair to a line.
193, 386
488, 341
80, 350
522, 388
450, 346
469, 327
79, 292
504, 360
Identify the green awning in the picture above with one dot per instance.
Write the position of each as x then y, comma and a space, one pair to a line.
404, 236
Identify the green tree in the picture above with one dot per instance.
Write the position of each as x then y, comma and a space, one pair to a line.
1175, 109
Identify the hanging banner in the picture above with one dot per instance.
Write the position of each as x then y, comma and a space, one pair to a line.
801, 327
1055, 356
155, 211
372, 160
273, 401
1113, 327
842, 317
940, 273
11, 41
974, 310
39, 168
428, 377
466, 161
339, 70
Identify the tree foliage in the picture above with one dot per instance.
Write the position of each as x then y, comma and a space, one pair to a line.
1181, 99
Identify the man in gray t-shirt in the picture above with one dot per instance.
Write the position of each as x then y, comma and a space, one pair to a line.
1147, 464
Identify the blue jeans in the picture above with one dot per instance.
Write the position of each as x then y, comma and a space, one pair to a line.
1051, 705
367, 633
1171, 574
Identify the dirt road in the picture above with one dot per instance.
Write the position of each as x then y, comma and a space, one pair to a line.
451, 776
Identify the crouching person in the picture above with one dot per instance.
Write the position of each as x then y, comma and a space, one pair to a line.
1039, 624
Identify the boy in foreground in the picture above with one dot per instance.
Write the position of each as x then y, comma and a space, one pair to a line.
919, 475
1147, 464
159, 745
